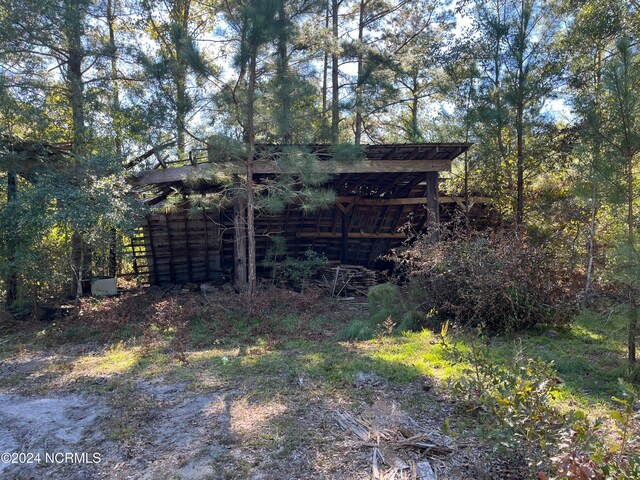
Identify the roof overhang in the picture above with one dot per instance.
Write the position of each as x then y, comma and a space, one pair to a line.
389, 158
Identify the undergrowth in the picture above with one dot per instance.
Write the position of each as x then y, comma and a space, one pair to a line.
386, 303
495, 280
514, 405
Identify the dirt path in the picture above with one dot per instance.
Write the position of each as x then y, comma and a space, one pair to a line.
47, 429
181, 435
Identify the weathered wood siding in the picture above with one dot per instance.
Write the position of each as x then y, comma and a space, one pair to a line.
182, 247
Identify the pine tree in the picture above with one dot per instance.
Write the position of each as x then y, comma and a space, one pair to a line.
520, 71
617, 122
176, 64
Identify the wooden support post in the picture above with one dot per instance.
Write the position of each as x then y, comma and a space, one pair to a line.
433, 210
206, 244
239, 244
12, 276
344, 247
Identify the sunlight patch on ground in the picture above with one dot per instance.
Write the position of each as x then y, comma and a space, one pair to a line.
118, 359
249, 417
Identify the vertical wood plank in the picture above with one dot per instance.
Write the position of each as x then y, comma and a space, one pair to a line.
156, 273
344, 245
186, 239
206, 245
172, 273
433, 214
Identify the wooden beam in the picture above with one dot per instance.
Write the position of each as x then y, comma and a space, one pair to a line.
473, 200
345, 209
351, 235
382, 201
407, 200
170, 175
160, 160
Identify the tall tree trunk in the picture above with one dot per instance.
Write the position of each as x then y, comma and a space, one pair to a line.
12, 277
359, 80
520, 93
520, 163
325, 74
633, 326
251, 135
497, 84
240, 242
181, 113
633, 307
335, 98
283, 74
595, 155
592, 235
180, 13
76, 267
76, 91
75, 86
79, 273
115, 96
115, 118
630, 197
415, 135
112, 268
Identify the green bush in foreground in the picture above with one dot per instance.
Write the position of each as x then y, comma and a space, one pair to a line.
515, 407
388, 312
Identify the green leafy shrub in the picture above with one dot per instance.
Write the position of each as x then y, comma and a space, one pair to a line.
358, 330
514, 405
298, 271
600, 457
387, 301
495, 280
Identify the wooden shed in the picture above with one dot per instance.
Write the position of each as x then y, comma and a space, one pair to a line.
382, 200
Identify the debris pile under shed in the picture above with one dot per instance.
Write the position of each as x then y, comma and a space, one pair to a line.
345, 280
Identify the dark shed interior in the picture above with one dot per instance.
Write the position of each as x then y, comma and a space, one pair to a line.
381, 201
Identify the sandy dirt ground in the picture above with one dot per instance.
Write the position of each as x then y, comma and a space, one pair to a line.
139, 428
